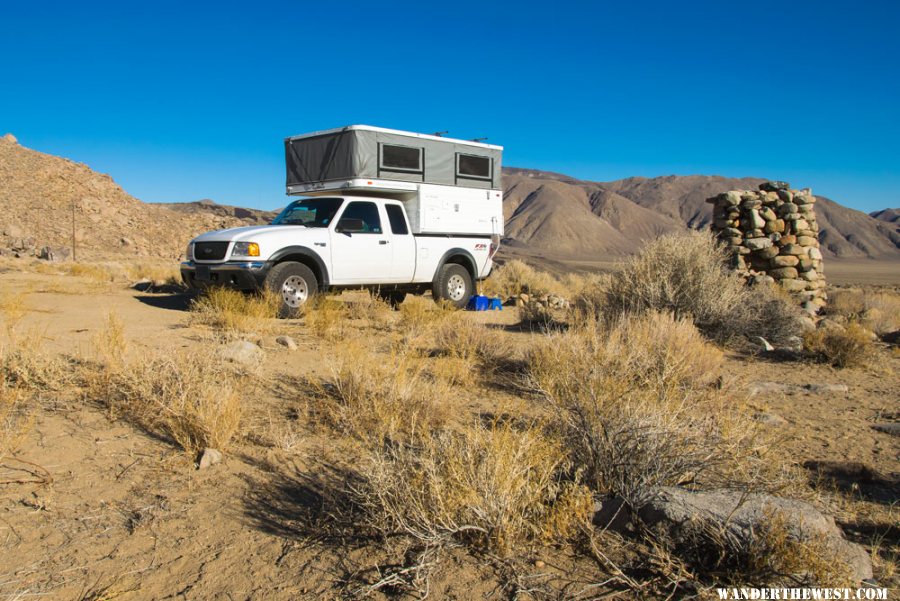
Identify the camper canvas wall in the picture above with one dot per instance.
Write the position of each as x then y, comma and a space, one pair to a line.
448, 186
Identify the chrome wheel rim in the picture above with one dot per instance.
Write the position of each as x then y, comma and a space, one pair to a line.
456, 287
294, 291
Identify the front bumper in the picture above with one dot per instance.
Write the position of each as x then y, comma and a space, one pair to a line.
240, 275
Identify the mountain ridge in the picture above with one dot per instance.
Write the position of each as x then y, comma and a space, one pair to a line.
552, 213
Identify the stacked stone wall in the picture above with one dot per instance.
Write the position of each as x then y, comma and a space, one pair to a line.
772, 234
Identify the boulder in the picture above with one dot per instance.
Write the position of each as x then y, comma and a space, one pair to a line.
891, 428
685, 517
756, 220
774, 186
807, 241
243, 353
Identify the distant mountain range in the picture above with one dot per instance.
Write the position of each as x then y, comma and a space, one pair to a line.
567, 218
555, 215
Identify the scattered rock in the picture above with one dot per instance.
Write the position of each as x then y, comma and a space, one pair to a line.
891, 428
287, 341
208, 458
825, 388
770, 419
243, 352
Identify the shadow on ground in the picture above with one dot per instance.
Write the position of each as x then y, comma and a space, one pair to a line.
172, 302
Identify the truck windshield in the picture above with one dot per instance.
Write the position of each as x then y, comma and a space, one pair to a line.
311, 212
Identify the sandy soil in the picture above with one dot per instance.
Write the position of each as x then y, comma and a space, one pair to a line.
123, 514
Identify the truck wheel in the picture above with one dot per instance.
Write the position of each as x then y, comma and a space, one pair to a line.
294, 283
454, 284
392, 297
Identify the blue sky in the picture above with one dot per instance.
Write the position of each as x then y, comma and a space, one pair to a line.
185, 100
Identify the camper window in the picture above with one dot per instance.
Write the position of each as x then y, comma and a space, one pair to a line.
401, 158
473, 167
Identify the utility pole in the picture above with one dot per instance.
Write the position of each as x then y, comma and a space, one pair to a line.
73, 230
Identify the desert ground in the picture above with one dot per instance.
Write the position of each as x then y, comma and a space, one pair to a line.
101, 496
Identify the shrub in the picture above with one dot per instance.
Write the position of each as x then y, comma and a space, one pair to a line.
516, 277
368, 306
538, 316
460, 337
374, 400
14, 419
233, 312
879, 311
492, 488
841, 347
640, 407
685, 274
326, 318
187, 397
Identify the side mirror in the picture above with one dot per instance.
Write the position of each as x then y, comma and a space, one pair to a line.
350, 226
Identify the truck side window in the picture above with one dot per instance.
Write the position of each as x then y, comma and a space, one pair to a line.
367, 212
398, 221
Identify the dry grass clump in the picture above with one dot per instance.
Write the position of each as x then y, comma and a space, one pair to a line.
879, 310
516, 277
419, 316
368, 306
167, 273
685, 274
539, 317
493, 488
374, 400
189, 398
13, 307
327, 318
233, 312
640, 406
471, 342
14, 419
841, 347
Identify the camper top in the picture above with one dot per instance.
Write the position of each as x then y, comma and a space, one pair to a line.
324, 158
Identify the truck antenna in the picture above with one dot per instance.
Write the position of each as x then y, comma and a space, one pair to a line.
440, 134
479, 139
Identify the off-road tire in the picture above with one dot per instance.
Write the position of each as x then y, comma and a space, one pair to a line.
294, 283
453, 284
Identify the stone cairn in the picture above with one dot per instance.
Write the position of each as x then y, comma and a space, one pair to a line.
773, 237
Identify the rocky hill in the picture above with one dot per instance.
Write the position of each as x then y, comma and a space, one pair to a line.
568, 218
210, 207
37, 194
553, 214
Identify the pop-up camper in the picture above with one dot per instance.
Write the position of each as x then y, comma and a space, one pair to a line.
447, 186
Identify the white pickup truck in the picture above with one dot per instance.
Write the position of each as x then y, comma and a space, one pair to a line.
401, 213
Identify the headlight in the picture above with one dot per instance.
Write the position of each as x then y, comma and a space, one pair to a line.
187, 252
245, 249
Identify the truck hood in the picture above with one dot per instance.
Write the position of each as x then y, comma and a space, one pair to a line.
247, 233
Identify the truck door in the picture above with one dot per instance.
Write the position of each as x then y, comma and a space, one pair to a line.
403, 245
360, 247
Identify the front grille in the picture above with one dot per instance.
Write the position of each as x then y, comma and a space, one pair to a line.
210, 251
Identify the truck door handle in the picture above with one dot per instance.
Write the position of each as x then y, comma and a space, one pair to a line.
382, 242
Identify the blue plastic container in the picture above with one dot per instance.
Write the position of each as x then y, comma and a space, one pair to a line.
484, 303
